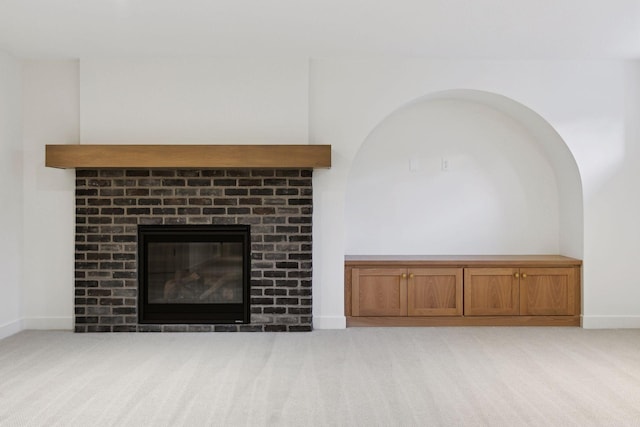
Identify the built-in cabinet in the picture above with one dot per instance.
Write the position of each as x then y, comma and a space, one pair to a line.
482, 290
434, 291
380, 292
407, 291
520, 291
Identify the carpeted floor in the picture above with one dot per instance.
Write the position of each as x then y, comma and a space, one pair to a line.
354, 377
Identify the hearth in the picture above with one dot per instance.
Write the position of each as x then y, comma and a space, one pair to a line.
193, 273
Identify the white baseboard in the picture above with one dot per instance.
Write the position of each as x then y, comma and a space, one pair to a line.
329, 322
319, 322
611, 322
10, 328
47, 323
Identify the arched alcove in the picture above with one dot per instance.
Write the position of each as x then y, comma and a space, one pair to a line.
464, 172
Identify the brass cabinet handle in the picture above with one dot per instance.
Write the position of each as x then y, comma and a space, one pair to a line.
516, 275
524, 275
411, 276
404, 275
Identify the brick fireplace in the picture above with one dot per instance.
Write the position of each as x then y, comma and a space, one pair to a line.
111, 203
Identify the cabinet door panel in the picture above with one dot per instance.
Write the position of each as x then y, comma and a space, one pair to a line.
434, 292
379, 292
547, 291
491, 292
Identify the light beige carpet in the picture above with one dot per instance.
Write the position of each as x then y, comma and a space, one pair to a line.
354, 377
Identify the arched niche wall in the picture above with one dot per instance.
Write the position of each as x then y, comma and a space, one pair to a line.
464, 172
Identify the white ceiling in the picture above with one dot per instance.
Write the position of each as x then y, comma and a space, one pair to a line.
513, 29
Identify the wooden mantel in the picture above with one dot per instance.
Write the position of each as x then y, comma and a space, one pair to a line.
188, 156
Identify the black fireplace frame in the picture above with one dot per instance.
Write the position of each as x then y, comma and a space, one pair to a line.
222, 313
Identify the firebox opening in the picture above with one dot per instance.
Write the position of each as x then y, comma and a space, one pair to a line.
194, 273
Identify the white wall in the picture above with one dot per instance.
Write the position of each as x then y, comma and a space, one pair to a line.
51, 116
196, 101
11, 223
592, 105
610, 155
497, 195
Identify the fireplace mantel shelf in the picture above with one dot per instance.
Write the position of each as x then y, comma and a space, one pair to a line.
188, 156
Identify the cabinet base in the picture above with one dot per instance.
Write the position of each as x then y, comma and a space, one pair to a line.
465, 321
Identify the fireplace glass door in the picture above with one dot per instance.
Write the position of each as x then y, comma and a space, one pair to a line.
194, 274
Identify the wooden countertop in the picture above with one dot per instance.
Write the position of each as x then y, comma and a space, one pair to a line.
462, 260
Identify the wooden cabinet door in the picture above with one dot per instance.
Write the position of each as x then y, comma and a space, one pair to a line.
379, 292
548, 291
491, 292
434, 292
